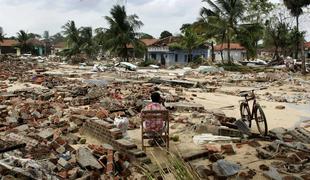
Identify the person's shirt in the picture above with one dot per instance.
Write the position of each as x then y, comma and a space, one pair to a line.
154, 124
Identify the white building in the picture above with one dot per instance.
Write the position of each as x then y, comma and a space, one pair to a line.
237, 52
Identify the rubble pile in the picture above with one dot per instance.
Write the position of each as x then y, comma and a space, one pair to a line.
66, 126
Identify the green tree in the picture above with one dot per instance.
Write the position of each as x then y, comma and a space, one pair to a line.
165, 34
223, 17
145, 36
190, 41
184, 27
71, 33
248, 35
22, 38
122, 31
296, 9
277, 35
88, 45
56, 38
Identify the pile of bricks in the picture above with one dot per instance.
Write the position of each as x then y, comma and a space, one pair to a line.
105, 131
3, 112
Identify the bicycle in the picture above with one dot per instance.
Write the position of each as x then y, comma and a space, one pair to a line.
257, 112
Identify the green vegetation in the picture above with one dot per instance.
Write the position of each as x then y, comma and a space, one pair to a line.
253, 24
296, 9
165, 34
122, 32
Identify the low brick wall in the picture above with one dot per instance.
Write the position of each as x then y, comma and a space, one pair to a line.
106, 132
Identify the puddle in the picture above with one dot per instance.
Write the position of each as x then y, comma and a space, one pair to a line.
305, 120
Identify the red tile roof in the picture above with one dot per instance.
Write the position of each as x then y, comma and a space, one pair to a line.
147, 42
8, 42
307, 45
233, 46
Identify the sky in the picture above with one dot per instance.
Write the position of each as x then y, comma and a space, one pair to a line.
36, 16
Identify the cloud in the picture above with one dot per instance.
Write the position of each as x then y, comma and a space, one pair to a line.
40, 15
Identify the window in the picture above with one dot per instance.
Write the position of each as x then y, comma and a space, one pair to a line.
176, 58
153, 56
185, 58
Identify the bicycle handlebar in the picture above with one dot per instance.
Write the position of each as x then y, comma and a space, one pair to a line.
252, 90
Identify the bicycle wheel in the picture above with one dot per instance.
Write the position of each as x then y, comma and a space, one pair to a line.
245, 114
260, 119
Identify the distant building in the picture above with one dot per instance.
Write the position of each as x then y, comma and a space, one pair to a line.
46, 35
237, 52
8, 46
58, 47
38, 47
161, 52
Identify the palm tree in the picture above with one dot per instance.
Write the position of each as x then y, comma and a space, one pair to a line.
122, 31
22, 38
295, 7
86, 41
248, 35
72, 37
190, 41
224, 16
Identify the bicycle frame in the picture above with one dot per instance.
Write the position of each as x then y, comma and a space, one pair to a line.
252, 97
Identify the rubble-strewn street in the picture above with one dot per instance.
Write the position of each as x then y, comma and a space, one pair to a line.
60, 121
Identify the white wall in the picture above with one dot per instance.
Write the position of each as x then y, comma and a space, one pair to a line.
235, 55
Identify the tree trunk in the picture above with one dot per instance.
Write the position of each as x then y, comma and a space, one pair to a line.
228, 48
126, 54
303, 59
189, 58
298, 40
276, 53
301, 42
222, 57
212, 52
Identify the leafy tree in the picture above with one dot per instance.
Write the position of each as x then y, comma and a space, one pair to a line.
257, 10
296, 9
88, 46
223, 17
184, 27
100, 39
79, 40
71, 33
33, 35
56, 38
165, 34
145, 36
22, 38
122, 31
190, 41
277, 35
248, 35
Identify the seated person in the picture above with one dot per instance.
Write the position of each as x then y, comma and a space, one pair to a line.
154, 126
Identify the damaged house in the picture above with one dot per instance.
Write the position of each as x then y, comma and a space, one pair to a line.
163, 54
8, 46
